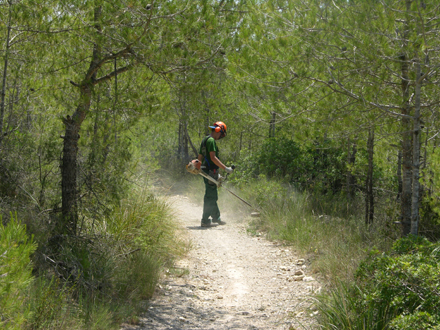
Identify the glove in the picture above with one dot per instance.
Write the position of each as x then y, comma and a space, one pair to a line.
229, 169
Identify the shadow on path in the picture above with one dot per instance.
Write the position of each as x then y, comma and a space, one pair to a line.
199, 227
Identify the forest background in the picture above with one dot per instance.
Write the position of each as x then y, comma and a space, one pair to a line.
332, 116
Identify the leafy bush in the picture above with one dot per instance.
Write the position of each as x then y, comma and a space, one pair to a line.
281, 158
397, 290
15, 274
407, 280
318, 167
415, 321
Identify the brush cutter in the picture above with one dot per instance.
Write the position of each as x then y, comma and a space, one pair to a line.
194, 167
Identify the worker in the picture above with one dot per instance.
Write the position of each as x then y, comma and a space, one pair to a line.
208, 155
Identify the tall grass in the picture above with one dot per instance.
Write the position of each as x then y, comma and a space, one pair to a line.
332, 235
146, 222
340, 309
52, 306
95, 280
327, 230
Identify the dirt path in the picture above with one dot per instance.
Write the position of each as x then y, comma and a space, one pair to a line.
234, 281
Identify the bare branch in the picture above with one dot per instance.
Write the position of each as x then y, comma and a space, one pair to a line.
112, 74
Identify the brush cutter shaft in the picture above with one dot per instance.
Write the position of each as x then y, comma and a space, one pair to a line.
194, 168
218, 185
238, 197
210, 178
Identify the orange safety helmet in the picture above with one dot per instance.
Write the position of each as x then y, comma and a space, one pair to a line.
219, 126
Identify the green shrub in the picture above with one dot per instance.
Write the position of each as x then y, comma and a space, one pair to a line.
280, 158
137, 278
15, 274
405, 280
318, 167
395, 290
415, 321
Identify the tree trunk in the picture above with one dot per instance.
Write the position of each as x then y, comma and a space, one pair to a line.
272, 126
185, 142
182, 148
416, 155
369, 196
181, 141
406, 135
69, 168
194, 149
207, 112
351, 179
406, 177
69, 165
399, 174
115, 101
5, 70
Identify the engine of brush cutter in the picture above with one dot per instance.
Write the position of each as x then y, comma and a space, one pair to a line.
194, 166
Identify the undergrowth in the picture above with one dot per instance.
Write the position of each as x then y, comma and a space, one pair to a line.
372, 279
15, 273
335, 244
397, 290
95, 280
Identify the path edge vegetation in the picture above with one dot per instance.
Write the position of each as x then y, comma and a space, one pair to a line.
117, 271
370, 278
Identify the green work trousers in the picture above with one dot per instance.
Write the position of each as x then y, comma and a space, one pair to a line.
210, 207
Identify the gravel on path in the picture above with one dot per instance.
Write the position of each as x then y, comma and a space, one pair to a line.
231, 280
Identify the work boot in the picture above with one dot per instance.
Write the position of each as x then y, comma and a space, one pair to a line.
219, 221
207, 223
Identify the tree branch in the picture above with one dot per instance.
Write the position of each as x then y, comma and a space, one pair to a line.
112, 74
360, 98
